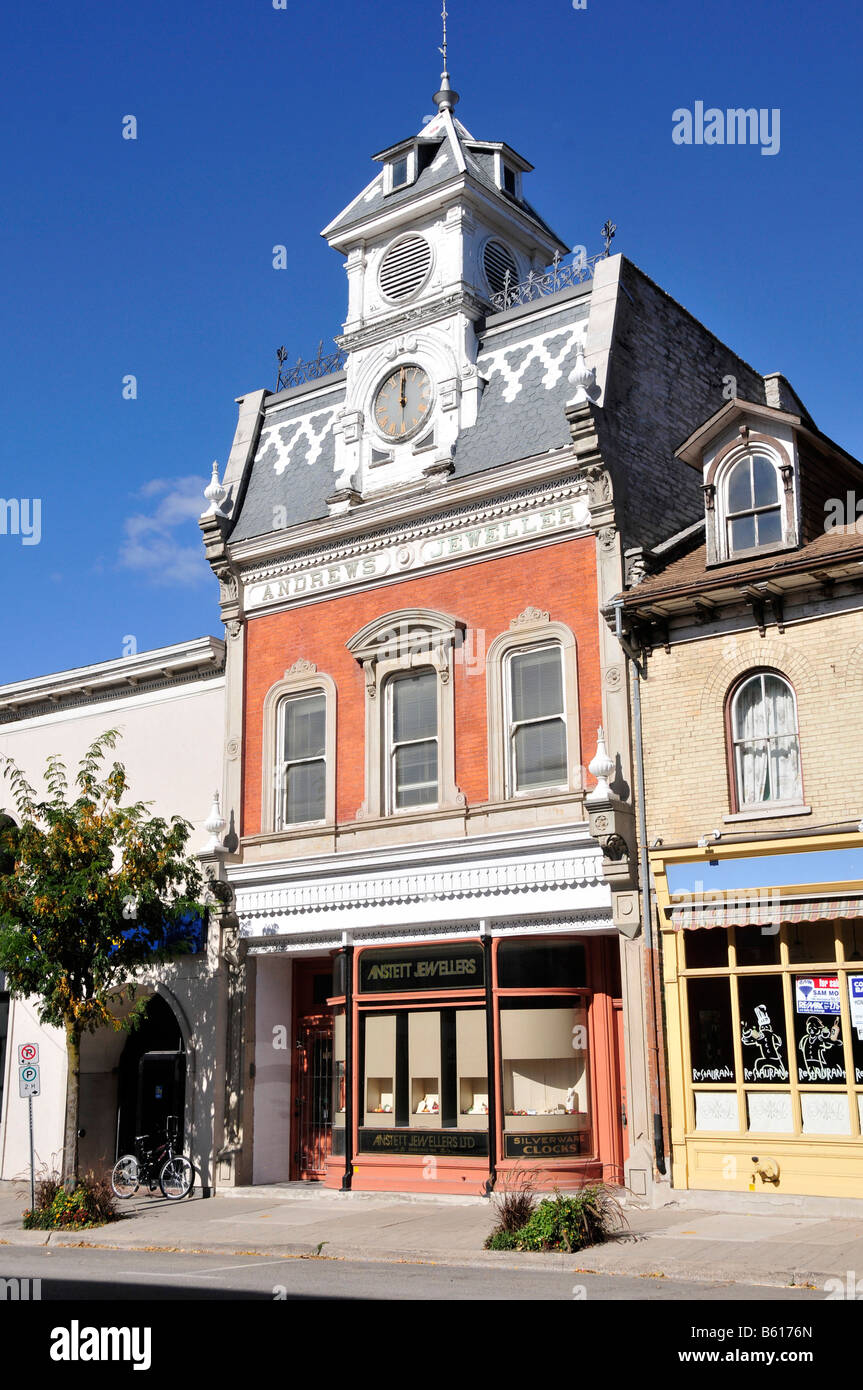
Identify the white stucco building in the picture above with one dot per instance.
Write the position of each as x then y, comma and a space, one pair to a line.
168, 706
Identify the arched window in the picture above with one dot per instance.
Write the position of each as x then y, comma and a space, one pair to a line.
753, 504
532, 693
299, 751
408, 660
536, 719
764, 743
301, 786
412, 739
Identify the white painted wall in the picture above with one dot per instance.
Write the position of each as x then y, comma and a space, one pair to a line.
272, 1144
171, 747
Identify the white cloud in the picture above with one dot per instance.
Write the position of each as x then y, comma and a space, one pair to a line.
164, 544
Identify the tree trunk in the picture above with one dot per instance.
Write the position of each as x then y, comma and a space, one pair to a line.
70, 1148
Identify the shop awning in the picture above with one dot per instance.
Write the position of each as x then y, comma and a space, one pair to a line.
759, 910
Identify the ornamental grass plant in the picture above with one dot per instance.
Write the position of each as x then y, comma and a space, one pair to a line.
562, 1222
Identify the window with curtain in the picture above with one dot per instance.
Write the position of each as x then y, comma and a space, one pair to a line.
536, 718
413, 740
301, 789
766, 748
753, 504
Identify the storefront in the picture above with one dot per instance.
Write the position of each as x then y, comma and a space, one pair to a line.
764, 1006
458, 1062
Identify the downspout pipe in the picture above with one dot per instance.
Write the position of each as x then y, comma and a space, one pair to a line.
646, 918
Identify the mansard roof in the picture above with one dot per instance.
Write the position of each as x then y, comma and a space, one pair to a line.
525, 357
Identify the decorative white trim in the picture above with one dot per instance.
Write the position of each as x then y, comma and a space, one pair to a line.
379, 897
594, 923
452, 538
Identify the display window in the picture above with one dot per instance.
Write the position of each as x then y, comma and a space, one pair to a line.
774, 1028
543, 1004
468, 1056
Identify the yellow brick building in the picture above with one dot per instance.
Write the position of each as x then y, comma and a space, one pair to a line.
747, 636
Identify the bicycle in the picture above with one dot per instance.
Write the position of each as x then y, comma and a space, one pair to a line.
159, 1165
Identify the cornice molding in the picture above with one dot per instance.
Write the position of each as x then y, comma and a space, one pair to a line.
529, 518
536, 472
475, 883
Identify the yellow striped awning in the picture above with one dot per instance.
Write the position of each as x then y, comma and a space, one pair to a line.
756, 909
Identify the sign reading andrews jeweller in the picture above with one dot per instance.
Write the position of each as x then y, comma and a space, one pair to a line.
420, 967
402, 557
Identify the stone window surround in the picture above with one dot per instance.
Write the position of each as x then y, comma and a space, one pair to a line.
303, 678
409, 639
531, 628
747, 443
769, 809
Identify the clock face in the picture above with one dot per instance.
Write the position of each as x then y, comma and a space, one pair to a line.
403, 402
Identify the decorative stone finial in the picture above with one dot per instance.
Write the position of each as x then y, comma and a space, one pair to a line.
601, 766
215, 824
215, 493
583, 378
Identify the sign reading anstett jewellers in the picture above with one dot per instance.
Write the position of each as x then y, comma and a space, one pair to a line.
402, 557
421, 967
445, 1143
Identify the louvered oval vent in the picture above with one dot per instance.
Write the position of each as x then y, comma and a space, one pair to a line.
497, 260
405, 267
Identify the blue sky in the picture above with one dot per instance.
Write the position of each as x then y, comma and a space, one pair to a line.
153, 257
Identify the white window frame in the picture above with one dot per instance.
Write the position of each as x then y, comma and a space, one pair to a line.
511, 776
390, 745
716, 489
750, 809
530, 630
409, 640
389, 187
302, 679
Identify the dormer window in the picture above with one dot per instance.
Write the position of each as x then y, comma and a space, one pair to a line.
509, 180
400, 172
754, 504
751, 499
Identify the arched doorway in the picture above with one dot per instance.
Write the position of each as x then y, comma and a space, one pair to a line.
151, 1077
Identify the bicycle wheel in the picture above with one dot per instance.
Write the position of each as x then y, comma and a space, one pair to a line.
176, 1177
126, 1176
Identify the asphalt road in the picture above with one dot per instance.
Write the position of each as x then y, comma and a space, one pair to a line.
120, 1275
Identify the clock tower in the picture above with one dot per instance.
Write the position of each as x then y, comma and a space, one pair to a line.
428, 242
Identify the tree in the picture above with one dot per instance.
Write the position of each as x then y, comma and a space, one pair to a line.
92, 894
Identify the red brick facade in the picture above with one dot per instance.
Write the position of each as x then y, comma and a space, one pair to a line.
485, 597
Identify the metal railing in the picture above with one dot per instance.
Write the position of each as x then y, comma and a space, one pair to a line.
558, 276
301, 372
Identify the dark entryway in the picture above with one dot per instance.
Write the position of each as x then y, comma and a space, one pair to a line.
152, 1077
311, 1131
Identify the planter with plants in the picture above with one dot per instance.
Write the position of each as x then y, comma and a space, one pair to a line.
562, 1222
90, 1203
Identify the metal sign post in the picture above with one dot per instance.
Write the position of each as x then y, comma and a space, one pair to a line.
28, 1087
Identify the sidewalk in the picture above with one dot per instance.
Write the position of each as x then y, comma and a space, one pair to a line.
678, 1241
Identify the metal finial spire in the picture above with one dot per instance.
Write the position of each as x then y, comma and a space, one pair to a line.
446, 98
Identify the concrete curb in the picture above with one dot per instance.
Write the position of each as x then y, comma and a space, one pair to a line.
572, 1264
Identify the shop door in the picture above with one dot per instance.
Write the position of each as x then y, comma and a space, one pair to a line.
313, 1085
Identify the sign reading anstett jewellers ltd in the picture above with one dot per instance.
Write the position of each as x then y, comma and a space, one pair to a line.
420, 967
402, 557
